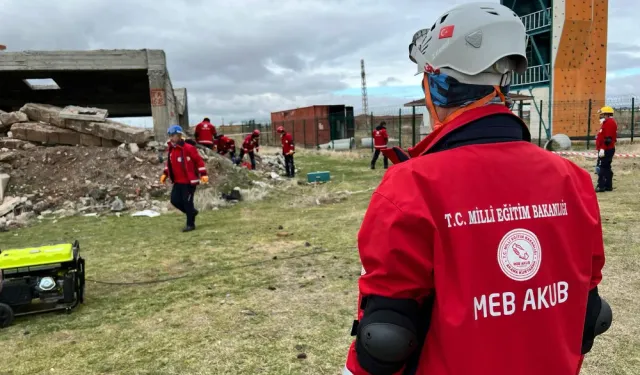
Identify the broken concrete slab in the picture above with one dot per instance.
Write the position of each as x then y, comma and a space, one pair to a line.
8, 205
51, 135
4, 182
84, 113
15, 144
7, 157
44, 113
11, 118
108, 129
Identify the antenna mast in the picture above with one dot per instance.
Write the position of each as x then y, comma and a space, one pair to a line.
365, 99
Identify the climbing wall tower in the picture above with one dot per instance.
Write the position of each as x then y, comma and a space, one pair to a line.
567, 54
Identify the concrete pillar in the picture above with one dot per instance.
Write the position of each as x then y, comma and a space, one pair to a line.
159, 105
184, 118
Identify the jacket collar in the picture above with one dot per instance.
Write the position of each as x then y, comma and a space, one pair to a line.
465, 118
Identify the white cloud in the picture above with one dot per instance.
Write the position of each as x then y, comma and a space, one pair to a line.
244, 59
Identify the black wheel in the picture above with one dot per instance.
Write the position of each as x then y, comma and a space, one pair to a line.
80, 281
6, 315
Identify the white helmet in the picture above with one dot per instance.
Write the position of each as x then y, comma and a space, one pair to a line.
477, 43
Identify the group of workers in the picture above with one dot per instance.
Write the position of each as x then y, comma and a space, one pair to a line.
477, 243
186, 168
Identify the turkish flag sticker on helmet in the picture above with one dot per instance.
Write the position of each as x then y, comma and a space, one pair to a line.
446, 32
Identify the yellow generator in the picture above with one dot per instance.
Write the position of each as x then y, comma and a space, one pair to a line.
40, 279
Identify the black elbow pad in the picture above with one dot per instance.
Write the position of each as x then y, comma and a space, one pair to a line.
608, 141
387, 334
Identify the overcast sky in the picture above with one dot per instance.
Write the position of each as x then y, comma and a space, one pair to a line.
243, 59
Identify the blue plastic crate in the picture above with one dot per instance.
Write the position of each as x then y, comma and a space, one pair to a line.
318, 176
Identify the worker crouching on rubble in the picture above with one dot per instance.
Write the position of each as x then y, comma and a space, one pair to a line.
250, 143
288, 149
205, 133
481, 252
186, 169
226, 146
606, 146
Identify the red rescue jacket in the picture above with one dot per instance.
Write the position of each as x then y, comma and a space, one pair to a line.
205, 133
250, 142
506, 240
380, 138
184, 164
226, 144
287, 143
607, 135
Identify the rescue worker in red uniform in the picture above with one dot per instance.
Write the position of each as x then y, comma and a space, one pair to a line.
225, 146
250, 143
288, 149
481, 252
606, 146
205, 133
380, 141
186, 169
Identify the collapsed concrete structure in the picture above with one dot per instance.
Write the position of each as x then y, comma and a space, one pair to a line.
127, 83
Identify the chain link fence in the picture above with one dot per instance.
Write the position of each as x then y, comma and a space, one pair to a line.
407, 125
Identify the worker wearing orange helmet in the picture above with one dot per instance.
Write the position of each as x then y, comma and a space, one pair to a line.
606, 146
288, 149
250, 143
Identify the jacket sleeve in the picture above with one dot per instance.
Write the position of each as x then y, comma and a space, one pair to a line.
597, 256
385, 135
196, 131
166, 164
290, 141
396, 252
609, 132
197, 159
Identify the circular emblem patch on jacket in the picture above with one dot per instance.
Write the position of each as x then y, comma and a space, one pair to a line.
179, 159
519, 254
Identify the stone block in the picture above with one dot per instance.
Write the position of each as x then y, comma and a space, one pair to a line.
14, 144
8, 119
43, 113
108, 129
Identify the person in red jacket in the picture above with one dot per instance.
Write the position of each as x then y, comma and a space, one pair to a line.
186, 169
288, 149
225, 146
481, 252
250, 143
380, 141
606, 146
205, 133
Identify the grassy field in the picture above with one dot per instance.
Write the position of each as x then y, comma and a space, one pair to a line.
264, 283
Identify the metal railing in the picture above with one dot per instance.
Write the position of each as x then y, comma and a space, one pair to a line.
537, 20
533, 74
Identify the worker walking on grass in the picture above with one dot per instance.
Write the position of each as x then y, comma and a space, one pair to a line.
606, 146
380, 141
288, 149
481, 252
226, 145
251, 143
186, 169
205, 133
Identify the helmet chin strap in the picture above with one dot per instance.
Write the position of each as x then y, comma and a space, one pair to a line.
432, 108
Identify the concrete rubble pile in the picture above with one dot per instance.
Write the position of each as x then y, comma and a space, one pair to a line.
51, 125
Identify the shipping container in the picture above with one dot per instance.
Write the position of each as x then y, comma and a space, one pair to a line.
314, 125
